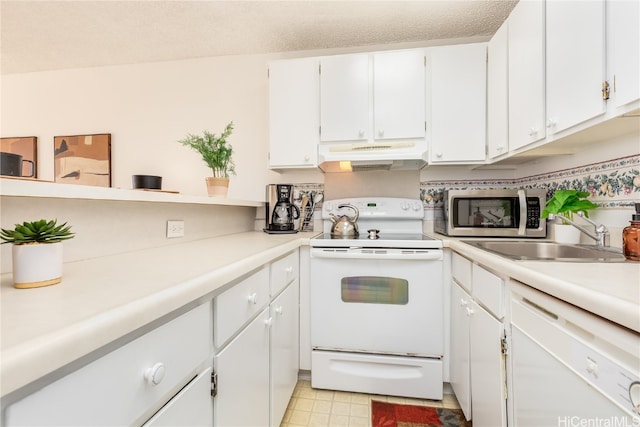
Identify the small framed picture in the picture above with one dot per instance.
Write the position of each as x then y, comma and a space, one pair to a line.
19, 156
83, 159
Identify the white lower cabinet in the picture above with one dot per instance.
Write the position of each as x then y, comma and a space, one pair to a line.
478, 375
130, 384
242, 370
257, 369
459, 378
284, 352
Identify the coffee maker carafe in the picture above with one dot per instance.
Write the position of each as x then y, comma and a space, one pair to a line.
280, 210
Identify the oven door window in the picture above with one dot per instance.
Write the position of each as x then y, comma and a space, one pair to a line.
374, 290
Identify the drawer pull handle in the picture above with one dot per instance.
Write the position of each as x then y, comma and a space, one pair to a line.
155, 374
253, 298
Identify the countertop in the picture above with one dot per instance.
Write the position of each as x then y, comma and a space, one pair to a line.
610, 290
104, 299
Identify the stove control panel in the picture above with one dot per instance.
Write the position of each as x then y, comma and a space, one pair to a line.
376, 207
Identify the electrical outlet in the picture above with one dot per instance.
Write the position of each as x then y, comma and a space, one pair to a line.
175, 228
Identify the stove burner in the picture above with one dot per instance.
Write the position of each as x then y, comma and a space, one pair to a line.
373, 234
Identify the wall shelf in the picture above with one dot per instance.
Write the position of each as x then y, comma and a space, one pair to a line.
47, 189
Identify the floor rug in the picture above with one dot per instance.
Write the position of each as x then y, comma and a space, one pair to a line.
385, 414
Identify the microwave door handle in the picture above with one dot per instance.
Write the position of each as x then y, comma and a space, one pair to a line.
522, 197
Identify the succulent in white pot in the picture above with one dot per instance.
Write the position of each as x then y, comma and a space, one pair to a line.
37, 252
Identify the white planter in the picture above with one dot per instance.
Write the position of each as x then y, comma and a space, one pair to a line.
37, 265
566, 233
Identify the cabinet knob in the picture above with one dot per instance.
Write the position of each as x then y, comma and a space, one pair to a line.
278, 310
533, 131
500, 148
268, 322
463, 302
470, 311
551, 123
155, 374
306, 158
253, 298
289, 270
439, 154
361, 133
381, 133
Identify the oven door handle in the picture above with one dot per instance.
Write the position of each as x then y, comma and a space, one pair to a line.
432, 255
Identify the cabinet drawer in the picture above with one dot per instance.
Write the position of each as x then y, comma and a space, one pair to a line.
284, 271
114, 390
461, 271
235, 307
488, 289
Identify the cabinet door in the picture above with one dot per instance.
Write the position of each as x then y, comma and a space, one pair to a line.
294, 113
344, 98
487, 369
624, 35
575, 62
243, 377
284, 350
458, 83
526, 40
399, 94
497, 94
190, 407
460, 378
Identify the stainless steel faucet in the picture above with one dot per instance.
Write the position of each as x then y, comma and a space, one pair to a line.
601, 234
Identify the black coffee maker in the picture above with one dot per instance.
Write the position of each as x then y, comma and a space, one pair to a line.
280, 210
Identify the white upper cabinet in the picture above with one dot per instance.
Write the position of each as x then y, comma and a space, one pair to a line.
575, 62
344, 98
526, 38
294, 113
366, 97
497, 93
623, 36
399, 94
457, 102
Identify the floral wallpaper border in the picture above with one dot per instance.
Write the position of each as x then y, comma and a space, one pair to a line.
612, 183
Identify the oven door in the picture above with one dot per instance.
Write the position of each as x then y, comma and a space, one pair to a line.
383, 301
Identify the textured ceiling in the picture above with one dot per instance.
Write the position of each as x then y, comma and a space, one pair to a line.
49, 35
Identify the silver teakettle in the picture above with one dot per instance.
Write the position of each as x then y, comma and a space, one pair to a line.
343, 226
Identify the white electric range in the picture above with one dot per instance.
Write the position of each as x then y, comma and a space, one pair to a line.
377, 302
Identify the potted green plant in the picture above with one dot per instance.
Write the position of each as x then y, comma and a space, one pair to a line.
37, 252
566, 203
217, 154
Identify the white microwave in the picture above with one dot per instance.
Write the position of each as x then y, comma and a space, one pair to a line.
492, 213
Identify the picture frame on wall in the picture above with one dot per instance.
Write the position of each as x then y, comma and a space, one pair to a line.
83, 159
27, 148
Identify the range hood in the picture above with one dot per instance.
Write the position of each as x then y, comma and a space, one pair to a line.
377, 155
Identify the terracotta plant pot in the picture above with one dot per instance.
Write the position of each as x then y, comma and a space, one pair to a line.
36, 265
217, 187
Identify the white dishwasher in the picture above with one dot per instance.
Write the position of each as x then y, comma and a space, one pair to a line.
571, 367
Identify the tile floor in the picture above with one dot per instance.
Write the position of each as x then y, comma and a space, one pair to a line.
312, 407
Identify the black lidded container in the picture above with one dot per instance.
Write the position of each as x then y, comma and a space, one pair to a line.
149, 182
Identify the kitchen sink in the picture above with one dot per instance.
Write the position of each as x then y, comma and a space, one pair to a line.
549, 251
